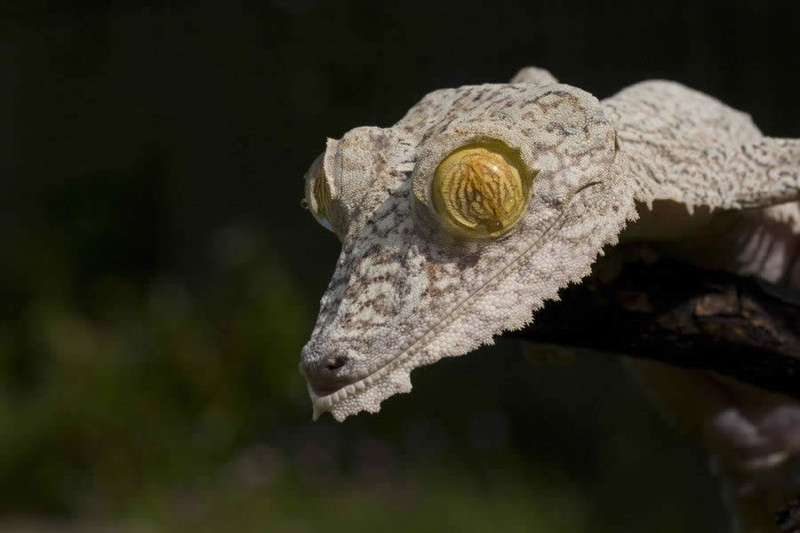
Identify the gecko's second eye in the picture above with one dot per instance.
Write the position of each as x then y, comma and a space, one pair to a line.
319, 199
480, 190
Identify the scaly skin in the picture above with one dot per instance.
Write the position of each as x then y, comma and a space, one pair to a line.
406, 292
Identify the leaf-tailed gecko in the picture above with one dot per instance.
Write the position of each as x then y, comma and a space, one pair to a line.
460, 221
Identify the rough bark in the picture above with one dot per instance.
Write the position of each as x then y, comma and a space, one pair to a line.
681, 315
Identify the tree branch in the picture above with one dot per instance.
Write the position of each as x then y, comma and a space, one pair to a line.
681, 315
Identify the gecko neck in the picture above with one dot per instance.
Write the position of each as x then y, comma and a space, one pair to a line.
749, 242
753, 242
763, 243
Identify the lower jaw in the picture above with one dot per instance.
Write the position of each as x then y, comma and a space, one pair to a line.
322, 392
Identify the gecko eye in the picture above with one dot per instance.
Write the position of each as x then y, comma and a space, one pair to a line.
480, 190
319, 199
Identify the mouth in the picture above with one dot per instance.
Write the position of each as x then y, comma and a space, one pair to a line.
321, 392
324, 398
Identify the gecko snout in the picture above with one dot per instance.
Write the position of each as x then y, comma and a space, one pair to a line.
324, 375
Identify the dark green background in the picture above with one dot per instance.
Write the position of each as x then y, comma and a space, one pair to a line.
158, 277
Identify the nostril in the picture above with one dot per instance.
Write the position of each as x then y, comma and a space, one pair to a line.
323, 374
334, 363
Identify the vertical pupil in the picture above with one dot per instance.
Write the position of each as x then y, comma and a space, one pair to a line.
494, 225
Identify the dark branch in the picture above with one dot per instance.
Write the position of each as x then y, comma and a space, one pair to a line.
684, 316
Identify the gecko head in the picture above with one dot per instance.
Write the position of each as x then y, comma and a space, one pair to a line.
457, 224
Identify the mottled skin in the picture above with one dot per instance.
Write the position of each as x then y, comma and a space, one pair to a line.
405, 293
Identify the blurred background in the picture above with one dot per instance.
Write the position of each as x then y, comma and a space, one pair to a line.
158, 276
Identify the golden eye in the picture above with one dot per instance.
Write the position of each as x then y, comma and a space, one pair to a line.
318, 198
481, 190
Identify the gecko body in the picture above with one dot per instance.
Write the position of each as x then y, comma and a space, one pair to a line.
464, 218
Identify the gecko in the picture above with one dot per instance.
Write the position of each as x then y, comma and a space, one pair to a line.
469, 214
